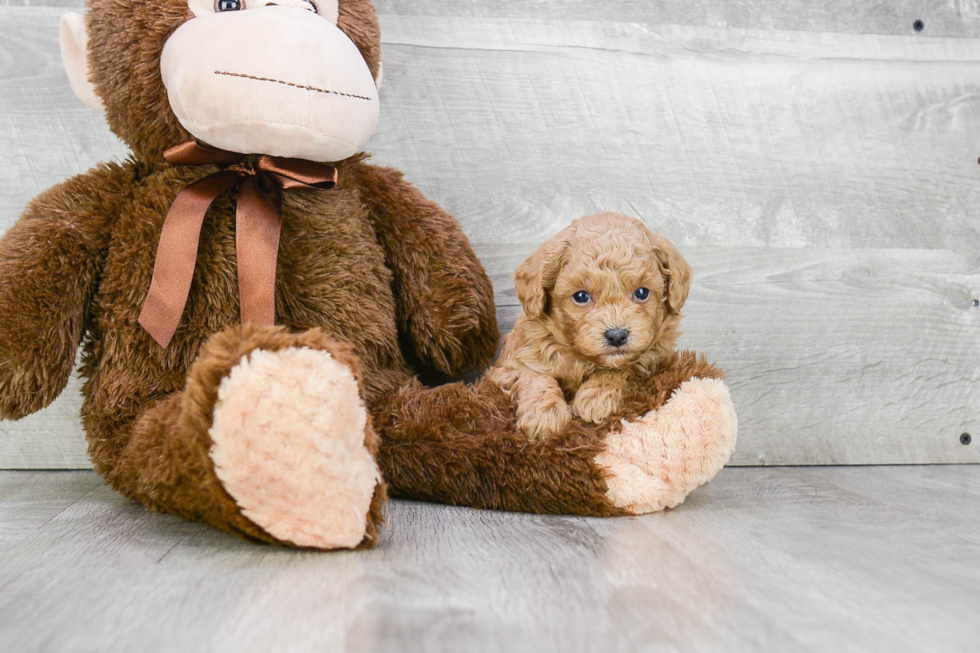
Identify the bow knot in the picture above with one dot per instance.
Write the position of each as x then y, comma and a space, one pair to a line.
258, 222
245, 168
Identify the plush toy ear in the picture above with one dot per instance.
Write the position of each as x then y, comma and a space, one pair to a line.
74, 54
677, 274
538, 274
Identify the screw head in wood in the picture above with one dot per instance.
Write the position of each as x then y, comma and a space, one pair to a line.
918, 26
966, 438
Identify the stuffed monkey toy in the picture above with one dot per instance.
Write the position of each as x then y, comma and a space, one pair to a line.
254, 301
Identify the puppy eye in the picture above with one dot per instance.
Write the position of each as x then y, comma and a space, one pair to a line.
229, 5
641, 294
581, 297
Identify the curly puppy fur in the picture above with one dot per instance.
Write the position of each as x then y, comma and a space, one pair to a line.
561, 346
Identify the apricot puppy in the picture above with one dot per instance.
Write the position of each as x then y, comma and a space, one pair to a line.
601, 303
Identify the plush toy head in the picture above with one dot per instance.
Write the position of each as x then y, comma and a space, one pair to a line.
167, 71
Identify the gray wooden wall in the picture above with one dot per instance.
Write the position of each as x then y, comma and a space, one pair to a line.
815, 161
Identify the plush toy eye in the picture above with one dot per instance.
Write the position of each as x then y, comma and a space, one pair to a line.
313, 6
229, 5
581, 297
641, 294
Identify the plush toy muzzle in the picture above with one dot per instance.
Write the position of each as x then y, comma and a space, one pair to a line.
311, 96
275, 77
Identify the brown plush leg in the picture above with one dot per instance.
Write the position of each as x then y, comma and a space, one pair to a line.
226, 452
460, 445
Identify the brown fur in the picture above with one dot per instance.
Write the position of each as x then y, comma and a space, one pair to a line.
557, 348
333, 275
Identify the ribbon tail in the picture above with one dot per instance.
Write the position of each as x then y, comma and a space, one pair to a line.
176, 258
258, 225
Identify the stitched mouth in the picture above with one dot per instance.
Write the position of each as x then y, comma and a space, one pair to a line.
299, 86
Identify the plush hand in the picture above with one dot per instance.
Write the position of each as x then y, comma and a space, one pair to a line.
50, 261
444, 296
454, 326
655, 460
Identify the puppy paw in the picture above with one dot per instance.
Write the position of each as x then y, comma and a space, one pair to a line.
544, 421
594, 403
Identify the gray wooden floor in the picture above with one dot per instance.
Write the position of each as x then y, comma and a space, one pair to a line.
777, 559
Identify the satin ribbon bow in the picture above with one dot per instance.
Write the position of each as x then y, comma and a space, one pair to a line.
258, 222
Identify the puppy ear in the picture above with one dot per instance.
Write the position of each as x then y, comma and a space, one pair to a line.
538, 274
677, 274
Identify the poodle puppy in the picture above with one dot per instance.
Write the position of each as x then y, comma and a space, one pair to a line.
601, 303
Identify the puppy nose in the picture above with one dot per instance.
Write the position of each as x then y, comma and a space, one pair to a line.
617, 337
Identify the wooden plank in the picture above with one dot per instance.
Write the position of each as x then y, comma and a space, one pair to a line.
28, 502
47, 135
719, 137
725, 140
49, 439
789, 559
939, 17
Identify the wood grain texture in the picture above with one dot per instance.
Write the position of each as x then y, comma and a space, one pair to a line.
790, 559
817, 162
939, 17
720, 137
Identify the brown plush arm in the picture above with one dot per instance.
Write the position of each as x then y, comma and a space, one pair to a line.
444, 297
49, 262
